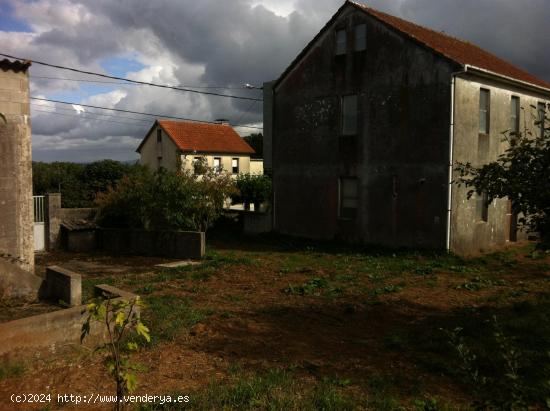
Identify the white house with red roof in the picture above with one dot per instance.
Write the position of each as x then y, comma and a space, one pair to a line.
177, 145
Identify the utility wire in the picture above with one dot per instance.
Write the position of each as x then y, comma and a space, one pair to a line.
91, 118
136, 112
208, 93
72, 111
125, 83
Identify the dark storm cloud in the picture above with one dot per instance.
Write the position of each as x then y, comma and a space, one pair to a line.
228, 43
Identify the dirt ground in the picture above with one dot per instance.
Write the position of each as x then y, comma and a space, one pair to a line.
322, 313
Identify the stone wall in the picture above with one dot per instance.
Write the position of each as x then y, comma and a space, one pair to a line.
169, 244
16, 215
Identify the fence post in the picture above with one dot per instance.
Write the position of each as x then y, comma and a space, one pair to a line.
53, 221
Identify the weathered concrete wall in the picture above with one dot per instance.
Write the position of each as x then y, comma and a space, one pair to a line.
170, 244
53, 332
63, 285
16, 214
399, 154
469, 235
256, 223
16, 282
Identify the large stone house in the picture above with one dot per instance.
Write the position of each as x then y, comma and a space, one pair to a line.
365, 125
178, 145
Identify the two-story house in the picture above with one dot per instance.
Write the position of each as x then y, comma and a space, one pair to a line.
179, 145
365, 126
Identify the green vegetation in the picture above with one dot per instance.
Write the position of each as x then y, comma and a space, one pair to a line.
119, 319
520, 174
252, 189
78, 183
165, 200
11, 370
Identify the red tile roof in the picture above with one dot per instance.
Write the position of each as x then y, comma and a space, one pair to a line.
205, 137
457, 50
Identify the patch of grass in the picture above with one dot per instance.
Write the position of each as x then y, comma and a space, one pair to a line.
88, 285
11, 370
315, 286
146, 289
168, 315
478, 283
388, 289
273, 390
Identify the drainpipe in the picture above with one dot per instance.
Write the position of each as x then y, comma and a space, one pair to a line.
451, 158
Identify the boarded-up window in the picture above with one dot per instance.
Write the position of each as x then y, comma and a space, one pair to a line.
349, 115
541, 110
235, 166
349, 197
360, 37
484, 107
482, 207
514, 116
341, 42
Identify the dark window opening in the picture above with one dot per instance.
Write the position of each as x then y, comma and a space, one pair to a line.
349, 198
349, 115
514, 117
235, 166
341, 42
482, 207
360, 43
484, 111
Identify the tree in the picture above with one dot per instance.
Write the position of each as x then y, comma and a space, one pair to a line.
521, 174
119, 318
252, 188
256, 141
166, 200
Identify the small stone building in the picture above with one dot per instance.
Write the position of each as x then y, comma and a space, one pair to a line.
365, 125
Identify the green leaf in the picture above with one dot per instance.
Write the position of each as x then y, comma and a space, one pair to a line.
131, 381
132, 346
120, 317
143, 331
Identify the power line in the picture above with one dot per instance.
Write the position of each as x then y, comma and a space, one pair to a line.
125, 83
135, 112
91, 118
208, 93
72, 110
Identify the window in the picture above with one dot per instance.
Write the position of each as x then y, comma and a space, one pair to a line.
484, 105
199, 165
541, 111
482, 207
348, 198
159, 144
349, 115
217, 164
235, 166
341, 42
514, 117
159, 136
360, 37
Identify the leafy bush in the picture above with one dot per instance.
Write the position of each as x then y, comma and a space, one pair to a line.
253, 188
165, 200
521, 174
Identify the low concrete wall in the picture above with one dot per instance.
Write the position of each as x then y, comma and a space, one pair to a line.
63, 285
52, 332
170, 244
257, 223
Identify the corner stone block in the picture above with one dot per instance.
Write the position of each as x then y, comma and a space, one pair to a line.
63, 285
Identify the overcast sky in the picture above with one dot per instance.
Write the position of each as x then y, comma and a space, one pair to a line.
208, 43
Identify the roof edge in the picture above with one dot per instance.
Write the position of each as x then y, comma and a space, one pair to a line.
489, 73
138, 150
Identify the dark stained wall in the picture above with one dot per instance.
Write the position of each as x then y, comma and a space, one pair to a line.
400, 153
